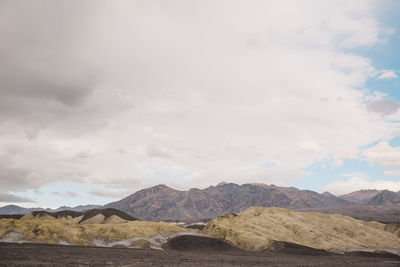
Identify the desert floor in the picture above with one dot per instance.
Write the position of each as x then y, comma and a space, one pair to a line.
14, 254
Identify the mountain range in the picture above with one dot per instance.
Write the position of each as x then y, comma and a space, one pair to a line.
14, 209
164, 203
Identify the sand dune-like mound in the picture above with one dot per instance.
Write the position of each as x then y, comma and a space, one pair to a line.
98, 218
114, 219
64, 231
257, 228
58, 214
107, 213
88, 217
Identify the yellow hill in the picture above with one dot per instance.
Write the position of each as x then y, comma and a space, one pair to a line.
51, 230
257, 227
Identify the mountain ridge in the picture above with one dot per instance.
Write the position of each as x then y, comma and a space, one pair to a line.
164, 203
14, 209
161, 202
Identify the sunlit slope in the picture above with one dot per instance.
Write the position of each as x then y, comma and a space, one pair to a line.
51, 230
256, 227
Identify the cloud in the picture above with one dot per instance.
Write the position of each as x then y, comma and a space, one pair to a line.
10, 198
104, 193
359, 183
384, 106
65, 194
71, 194
388, 74
384, 154
392, 172
127, 94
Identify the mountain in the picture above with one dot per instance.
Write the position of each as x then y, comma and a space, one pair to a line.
163, 203
307, 198
385, 198
361, 196
13, 209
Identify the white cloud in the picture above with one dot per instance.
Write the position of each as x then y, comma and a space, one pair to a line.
359, 183
188, 93
392, 172
388, 74
384, 154
354, 174
65, 194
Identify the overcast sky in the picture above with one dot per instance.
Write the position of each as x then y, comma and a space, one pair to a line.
99, 99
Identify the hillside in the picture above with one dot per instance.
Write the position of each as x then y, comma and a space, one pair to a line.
67, 231
360, 196
258, 227
87, 217
384, 214
385, 198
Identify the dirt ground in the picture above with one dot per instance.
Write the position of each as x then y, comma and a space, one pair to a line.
14, 254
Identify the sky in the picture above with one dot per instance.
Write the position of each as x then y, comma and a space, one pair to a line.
99, 99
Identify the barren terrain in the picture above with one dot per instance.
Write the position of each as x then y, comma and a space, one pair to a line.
257, 227
13, 254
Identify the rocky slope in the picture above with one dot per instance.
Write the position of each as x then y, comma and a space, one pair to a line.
258, 228
385, 198
360, 197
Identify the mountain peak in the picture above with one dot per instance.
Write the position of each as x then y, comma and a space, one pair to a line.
226, 184
259, 184
161, 187
327, 194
